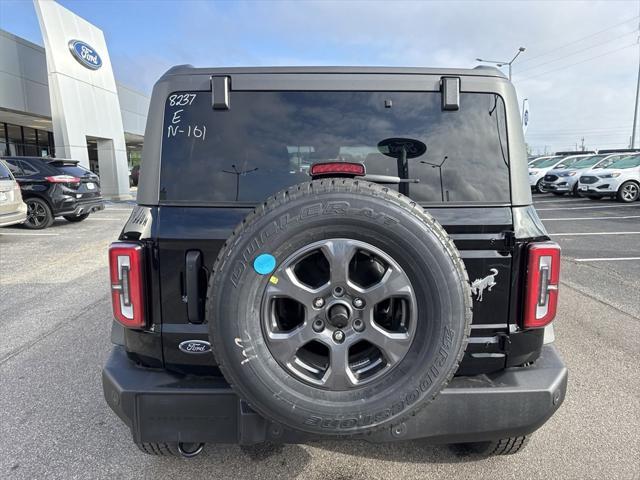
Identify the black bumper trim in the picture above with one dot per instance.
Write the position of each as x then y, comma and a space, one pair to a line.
162, 407
82, 208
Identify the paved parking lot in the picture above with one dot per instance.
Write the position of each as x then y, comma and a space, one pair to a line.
54, 337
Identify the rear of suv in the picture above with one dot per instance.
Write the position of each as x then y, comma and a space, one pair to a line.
333, 252
53, 187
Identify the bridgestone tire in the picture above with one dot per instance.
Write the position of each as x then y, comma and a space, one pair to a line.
365, 212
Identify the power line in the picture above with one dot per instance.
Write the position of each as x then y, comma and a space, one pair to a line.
555, 50
576, 63
578, 52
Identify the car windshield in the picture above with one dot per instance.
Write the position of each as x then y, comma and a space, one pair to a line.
588, 162
544, 162
628, 162
568, 162
609, 160
266, 141
5, 174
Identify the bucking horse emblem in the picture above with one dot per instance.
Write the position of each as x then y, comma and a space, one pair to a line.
478, 286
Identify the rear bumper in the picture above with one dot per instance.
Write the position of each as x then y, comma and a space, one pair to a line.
83, 207
13, 218
161, 407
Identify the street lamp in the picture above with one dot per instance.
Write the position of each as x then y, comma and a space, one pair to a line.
501, 64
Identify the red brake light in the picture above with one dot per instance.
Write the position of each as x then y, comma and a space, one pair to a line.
543, 277
337, 168
62, 179
126, 268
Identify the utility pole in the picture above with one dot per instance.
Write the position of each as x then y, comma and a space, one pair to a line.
635, 109
582, 145
502, 64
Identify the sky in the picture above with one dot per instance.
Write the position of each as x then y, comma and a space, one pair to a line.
579, 69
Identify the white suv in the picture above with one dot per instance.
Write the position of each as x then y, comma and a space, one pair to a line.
621, 179
565, 180
539, 167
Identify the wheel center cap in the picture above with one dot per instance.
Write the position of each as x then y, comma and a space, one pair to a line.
338, 316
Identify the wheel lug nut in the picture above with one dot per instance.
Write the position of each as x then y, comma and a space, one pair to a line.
338, 336
358, 325
318, 302
318, 326
358, 302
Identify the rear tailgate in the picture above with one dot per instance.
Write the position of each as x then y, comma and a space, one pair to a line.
481, 234
89, 186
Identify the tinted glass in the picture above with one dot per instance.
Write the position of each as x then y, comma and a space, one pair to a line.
27, 168
13, 166
71, 169
588, 162
266, 141
628, 162
549, 162
5, 174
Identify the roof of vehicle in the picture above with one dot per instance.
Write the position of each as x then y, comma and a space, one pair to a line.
478, 71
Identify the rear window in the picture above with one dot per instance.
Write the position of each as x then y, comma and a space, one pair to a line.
71, 169
5, 174
266, 141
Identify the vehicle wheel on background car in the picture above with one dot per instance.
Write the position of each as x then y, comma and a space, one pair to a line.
76, 218
575, 191
540, 187
628, 192
39, 214
343, 299
171, 449
505, 446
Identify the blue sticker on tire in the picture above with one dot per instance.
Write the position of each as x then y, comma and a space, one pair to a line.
264, 263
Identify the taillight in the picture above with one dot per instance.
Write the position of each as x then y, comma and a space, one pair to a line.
336, 168
127, 288
62, 179
543, 277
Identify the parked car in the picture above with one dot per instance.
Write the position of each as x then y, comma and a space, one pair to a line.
620, 179
537, 160
53, 187
565, 180
538, 170
255, 302
12, 209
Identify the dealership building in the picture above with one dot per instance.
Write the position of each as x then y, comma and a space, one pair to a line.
63, 100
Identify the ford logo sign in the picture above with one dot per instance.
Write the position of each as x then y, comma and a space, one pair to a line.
195, 346
85, 54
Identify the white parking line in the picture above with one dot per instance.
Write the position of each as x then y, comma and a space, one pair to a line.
114, 209
585, 208
117, 219
592, 233
30, 234
588, 218
611, 259
563, 200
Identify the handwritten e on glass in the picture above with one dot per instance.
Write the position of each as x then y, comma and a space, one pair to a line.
177, 127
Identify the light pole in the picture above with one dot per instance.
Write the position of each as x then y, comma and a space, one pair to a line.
237, 173
439, 167
501, 64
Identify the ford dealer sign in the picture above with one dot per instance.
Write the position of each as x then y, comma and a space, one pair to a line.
84, 54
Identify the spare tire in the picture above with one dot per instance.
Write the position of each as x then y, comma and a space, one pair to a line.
339, 307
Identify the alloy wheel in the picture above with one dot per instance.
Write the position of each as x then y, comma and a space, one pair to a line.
338, 314
36, 214
630, 192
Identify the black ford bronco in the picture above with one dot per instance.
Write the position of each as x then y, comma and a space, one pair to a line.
333, 252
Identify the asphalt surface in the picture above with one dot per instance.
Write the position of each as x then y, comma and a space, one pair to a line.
54, 337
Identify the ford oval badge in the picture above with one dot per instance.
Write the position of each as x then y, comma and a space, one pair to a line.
85, 54
195, 346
